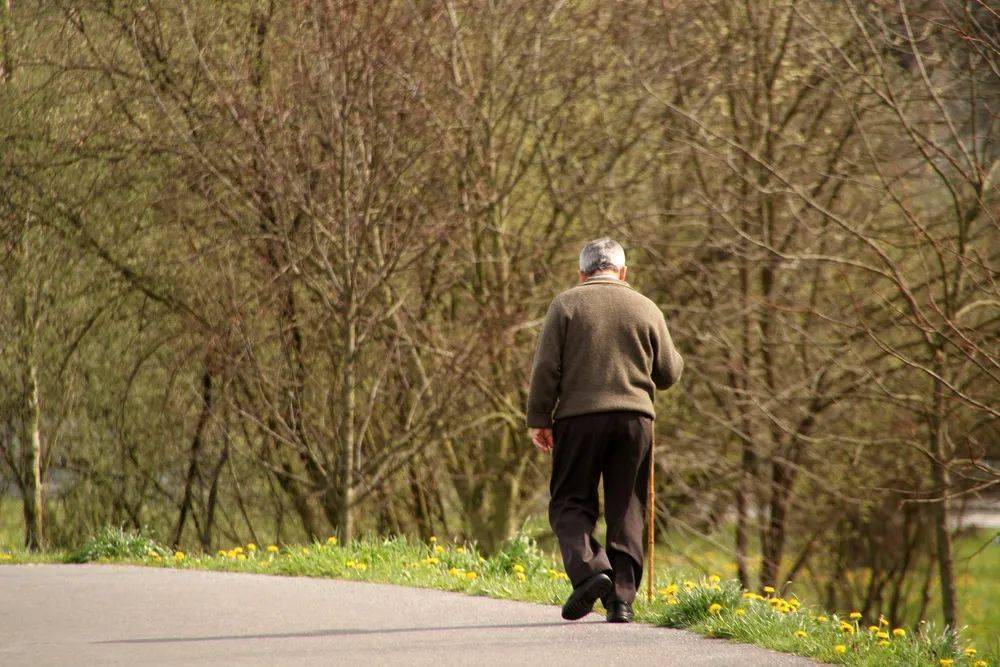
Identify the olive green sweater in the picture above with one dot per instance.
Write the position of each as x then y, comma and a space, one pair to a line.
603, 347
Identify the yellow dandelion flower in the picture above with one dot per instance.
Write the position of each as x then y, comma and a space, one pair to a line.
453, 571
518, 568
460, 550
946, 662
232, 553
768, 589
220, 552
713, 579
980, 663
251, 547
840, 649
821, 619
884, 642
433, 539
899, 632
714, 608
801, 634
438, 548
670, 589
882, 635
969, 651
241, 556
331, 540
430, 561
305, 552
520, 576
361, 567
872, 628
238, 550
690, 584
351, 563
855, 615
178, 555
741, 611
882, 620
715, 587
272, 549
470, 575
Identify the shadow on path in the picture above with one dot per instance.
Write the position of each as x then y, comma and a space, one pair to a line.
343, 633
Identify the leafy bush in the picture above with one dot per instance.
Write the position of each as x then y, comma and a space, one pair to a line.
117, 544
520, 550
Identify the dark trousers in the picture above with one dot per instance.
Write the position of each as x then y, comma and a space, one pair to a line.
615, 446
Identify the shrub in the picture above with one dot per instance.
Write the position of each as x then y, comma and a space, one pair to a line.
519, 550
117, 544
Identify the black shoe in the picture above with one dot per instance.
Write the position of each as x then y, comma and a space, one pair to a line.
620, 612
581, 600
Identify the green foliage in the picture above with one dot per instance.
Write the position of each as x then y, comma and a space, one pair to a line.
117, 544
520, 550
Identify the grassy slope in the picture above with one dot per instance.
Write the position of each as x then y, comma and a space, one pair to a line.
977, 576
709, 604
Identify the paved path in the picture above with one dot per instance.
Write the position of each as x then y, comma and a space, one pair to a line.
114, 615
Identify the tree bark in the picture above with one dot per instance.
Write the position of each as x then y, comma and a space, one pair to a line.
942, 509
196, 444
345, 518
33, 508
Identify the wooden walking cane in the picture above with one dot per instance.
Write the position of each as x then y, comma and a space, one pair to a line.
650, 513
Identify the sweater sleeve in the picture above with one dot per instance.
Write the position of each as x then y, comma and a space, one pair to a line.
667, 361
546, 370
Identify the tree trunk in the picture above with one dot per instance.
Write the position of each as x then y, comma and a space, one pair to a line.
744, 489
6, 37
213, 499
196, 443
345, 519
33, 508
773, 547
942, 509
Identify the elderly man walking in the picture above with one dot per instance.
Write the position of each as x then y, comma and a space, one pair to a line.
603, 351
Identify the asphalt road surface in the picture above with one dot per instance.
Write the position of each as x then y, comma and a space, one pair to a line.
114, 615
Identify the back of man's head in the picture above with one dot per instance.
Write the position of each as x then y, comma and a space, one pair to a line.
603, 254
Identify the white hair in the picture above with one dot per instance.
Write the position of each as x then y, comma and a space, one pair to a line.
600, 255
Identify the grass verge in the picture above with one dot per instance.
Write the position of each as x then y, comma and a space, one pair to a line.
521, 571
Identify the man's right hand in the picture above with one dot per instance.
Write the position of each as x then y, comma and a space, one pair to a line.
542, 437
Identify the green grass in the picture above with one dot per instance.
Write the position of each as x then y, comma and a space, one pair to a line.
710, 605
977, 566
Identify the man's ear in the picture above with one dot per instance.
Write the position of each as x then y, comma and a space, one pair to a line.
623, 273
583, 276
